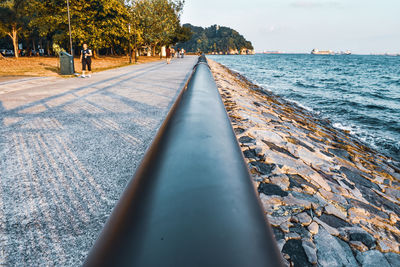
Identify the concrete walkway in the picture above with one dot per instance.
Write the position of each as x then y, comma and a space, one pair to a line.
67, 149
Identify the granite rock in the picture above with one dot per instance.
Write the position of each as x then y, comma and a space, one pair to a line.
304, 219
313, 228
358, 245
333, 254
310, 250
393, 259
330, 209
295, 249
271, 189
331, 230
358, 234
372, 258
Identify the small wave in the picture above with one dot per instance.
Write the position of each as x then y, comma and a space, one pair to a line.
393, 127
385, 145
340, 84
376, 107
304, 85
393, 82
379, 96
327, 80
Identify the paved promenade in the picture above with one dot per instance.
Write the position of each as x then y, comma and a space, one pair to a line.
67, 149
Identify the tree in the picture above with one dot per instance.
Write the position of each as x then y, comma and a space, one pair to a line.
158, 21
103, 24
183, 34
49, 19
12, 20
100, 23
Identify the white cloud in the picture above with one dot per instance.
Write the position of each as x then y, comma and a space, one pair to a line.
314, 4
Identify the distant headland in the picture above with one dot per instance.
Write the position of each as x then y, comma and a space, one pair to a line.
218, 40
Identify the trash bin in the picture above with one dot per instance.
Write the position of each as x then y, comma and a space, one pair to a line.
66, 64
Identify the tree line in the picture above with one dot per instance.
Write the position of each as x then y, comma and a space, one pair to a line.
215, 39
107, 26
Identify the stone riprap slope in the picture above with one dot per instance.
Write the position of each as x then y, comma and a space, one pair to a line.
67, 149
331, 200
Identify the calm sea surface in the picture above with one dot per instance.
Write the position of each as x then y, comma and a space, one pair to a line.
357, 93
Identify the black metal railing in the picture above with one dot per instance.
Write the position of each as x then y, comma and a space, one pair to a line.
191, 201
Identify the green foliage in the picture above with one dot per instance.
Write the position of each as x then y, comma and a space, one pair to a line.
183, 34
12, 14
57, 49
13, 19
214, 39
157, 20
99, 23
106, 23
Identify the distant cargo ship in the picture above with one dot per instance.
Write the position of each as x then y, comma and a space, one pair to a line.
326, 52
345, 53
272, 52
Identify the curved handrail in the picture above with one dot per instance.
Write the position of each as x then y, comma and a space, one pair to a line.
191, 201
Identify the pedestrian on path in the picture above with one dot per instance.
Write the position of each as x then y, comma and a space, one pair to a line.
86, 60
173, 52
168, 54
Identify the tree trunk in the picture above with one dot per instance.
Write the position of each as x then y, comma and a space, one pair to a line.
34, 46
153, 50
41, 45
136, 51
48, 48
14, 37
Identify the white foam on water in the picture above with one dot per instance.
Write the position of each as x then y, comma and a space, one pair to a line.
340, 126
302, 106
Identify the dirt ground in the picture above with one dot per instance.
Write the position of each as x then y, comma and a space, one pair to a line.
11, 68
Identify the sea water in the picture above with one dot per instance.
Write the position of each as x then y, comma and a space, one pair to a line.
358, 93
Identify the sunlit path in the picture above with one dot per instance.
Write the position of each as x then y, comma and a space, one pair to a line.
68, 148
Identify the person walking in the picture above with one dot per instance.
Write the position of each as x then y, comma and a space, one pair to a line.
183, 53
172, 52
86, 60
168, 54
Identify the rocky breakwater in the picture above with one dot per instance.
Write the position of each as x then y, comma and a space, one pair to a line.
331, 200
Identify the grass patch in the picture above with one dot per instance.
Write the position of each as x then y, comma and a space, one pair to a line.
49, 66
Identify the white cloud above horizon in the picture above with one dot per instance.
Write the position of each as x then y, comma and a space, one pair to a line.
315, 4
301, 25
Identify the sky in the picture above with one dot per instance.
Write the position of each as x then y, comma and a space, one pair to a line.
298, 26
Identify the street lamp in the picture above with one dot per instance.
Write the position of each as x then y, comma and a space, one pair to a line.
136, 50
129, 39
70, 35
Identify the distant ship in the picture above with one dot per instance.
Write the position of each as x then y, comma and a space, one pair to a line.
326, 52
345, 53
272, 52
